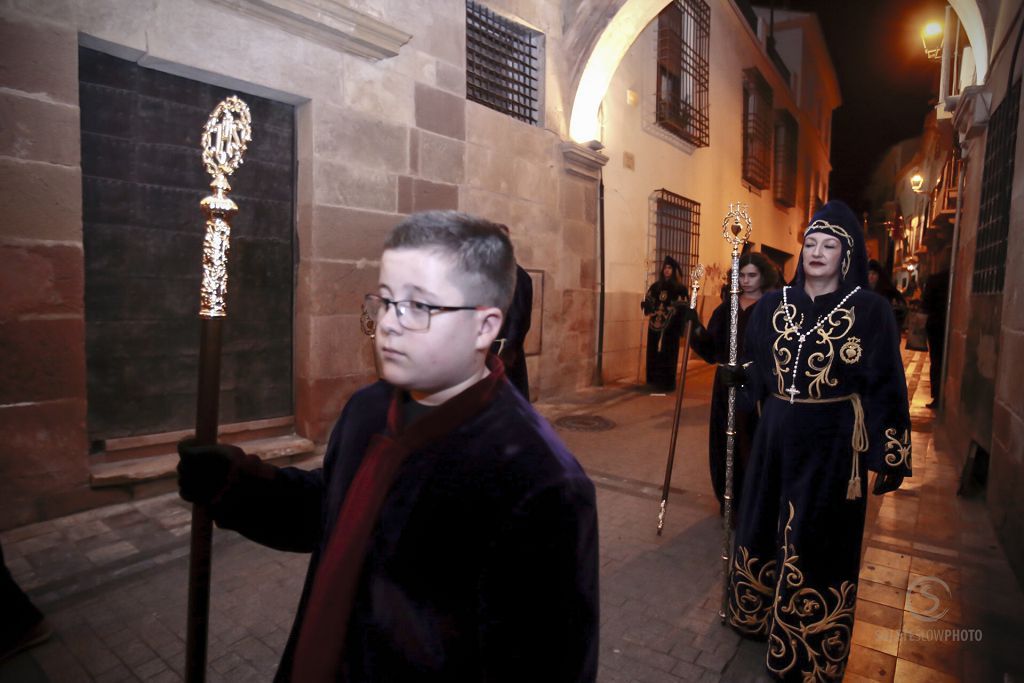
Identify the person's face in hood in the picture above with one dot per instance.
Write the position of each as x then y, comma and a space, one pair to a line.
667, 271
823, 254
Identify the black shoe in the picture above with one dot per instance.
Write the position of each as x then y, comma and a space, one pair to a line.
933, 405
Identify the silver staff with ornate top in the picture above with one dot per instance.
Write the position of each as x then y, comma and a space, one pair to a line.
696, 278
227, 133
736, 229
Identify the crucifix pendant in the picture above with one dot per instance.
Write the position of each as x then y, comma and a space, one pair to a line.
792, 391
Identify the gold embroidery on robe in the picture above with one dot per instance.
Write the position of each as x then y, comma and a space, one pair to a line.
808, 627
835, 328
897, 450
752, 591
850, 352
837, 325
784, 332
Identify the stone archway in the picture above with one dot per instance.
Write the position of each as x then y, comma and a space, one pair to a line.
629, 19
612, 43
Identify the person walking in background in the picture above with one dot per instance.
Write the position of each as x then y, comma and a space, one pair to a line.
881, 284
933, 304
662, 304
757, 276
822, 358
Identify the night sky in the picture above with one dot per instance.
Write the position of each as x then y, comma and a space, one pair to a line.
887, 84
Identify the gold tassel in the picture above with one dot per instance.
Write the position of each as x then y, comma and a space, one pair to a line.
853, 488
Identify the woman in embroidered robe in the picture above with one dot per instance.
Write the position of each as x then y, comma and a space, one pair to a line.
757, 276
663, 302
824, 362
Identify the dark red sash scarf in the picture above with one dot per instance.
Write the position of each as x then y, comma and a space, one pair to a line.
319, 651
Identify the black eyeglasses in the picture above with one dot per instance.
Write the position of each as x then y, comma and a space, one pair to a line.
412, 315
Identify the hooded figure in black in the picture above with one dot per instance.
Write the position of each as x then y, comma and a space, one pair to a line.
828, 375
663, 302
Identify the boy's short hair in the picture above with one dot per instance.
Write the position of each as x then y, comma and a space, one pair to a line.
480, 250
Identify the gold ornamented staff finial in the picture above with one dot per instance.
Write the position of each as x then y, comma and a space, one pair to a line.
226, 136
696, 281
736, 225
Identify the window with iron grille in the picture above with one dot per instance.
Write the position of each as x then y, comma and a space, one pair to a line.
786, 132
757, 129
682, 97
994, 212
674, 231
502, 64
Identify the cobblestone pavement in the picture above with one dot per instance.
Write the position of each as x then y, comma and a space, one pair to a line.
112, 581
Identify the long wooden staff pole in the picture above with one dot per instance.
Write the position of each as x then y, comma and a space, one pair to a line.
736, 230
227, 133
696, 275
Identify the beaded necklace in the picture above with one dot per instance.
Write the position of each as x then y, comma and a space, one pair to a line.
793, 391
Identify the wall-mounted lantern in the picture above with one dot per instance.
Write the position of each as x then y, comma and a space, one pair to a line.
931, 38
916, 182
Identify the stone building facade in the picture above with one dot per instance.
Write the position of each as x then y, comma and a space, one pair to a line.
382, 127
644, 159
966, 217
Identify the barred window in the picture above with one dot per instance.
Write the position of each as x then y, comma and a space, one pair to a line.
786, 132
757, 128
674, 231
502, 64
994, 212
682, 97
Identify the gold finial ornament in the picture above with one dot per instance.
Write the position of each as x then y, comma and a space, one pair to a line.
696, 281
736, 225
226, 136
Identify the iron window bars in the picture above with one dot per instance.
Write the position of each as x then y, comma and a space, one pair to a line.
757, 128
994, 211
786, 132
684, 28
502, 64
674, 231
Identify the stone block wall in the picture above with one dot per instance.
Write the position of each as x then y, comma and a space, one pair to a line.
1006, 473
42, 330
376, 139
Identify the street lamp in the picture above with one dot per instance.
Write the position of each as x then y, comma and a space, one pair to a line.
931, 38
916, 182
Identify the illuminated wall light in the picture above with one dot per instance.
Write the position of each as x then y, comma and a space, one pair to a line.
916, 182
931, 38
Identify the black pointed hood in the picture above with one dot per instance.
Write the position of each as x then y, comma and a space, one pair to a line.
838, 220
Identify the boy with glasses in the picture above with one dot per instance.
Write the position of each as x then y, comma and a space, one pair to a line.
454, 537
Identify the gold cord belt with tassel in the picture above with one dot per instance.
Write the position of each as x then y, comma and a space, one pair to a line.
860, 435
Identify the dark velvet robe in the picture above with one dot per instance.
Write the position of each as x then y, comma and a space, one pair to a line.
713, 346
662, 303
483, 562
797, 545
